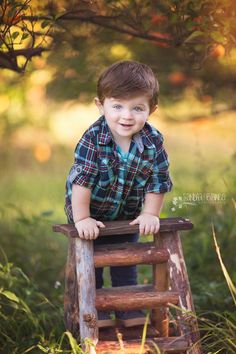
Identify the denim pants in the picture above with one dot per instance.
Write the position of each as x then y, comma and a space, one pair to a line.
120, 276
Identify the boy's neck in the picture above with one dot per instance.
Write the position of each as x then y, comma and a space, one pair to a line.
124, 144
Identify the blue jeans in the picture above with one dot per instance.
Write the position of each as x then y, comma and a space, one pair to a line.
120, 276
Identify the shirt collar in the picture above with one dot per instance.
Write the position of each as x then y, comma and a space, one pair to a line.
105, 135
146, 137
142, 138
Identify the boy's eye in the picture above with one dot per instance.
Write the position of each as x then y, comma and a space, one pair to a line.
138, 109
117, 106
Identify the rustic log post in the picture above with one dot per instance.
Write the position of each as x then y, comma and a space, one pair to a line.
71, 304
179, 282
159, 316
86, 294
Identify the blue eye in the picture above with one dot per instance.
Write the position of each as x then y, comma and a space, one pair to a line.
117, 106
138, 109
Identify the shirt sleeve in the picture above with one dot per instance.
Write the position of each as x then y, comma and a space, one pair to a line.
85, 168
160, 181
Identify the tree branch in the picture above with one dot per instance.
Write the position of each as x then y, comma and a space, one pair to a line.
7, 63
103, 21
29, 52
8, 60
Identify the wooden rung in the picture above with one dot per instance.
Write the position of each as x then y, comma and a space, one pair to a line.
167, 345
123, 227
133, 297
129, 254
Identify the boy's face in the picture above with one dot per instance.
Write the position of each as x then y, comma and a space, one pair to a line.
125, 117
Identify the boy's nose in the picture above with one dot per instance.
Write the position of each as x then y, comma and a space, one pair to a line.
127, 114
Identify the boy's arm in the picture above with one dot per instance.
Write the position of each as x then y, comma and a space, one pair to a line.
87, 227
148, 220
153, 203
80, 202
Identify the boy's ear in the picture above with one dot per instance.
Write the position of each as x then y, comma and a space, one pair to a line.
153, 109
99, 105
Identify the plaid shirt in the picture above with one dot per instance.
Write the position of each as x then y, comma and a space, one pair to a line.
118, 187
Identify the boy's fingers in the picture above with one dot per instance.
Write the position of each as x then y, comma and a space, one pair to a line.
96, 232
141, 230
100, 224
152, 229
81, 235
86, 234
91, 234
157, 229
134, 222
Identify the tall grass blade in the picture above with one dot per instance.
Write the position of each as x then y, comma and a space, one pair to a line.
230, 284
144, 334
157, 349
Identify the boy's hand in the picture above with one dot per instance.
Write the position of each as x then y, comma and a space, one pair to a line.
88, 229
148, 223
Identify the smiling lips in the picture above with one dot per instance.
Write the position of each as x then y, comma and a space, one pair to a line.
126, 125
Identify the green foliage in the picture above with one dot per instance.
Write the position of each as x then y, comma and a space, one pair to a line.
218, 332
20, 39
218, 329
33, 237
30, 322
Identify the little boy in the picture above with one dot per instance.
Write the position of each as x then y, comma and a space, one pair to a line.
120, 170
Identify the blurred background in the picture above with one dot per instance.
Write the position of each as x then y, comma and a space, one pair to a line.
44, 112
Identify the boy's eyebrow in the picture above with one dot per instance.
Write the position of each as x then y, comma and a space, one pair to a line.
120, 99
115, 99
143, 105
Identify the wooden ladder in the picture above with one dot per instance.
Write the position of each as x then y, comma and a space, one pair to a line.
173, 328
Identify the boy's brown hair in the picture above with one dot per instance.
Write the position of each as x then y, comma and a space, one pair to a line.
126, 79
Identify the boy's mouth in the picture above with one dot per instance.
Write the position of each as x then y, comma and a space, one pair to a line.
126, 125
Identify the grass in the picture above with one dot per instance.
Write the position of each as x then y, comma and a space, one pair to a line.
219, 329
27, 316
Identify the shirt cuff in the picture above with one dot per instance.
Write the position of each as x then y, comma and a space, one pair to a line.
160, 188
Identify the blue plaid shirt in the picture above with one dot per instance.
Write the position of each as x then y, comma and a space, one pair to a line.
118, 186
